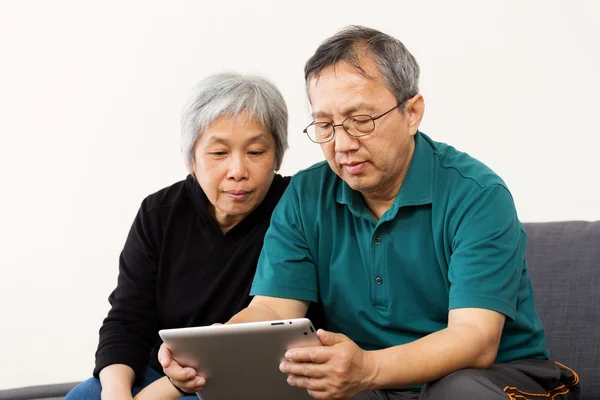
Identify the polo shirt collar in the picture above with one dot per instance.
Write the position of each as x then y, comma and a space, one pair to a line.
417, 188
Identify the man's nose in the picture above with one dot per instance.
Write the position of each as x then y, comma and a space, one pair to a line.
344, 142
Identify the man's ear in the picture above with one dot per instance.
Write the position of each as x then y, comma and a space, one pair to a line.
415, 108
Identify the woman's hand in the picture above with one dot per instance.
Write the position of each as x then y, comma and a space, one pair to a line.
184, 378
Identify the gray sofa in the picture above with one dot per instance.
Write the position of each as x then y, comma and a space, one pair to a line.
564, 263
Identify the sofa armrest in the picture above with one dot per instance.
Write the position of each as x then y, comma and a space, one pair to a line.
47, 392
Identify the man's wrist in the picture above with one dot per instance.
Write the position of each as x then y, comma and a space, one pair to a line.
371, 371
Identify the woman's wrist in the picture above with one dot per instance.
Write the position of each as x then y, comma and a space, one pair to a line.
180, 390
117, 378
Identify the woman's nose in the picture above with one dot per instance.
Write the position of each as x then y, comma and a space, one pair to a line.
237, 169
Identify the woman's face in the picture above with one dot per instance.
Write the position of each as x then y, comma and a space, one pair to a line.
234, 162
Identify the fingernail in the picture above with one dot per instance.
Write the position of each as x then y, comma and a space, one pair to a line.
190, 374
282, 367
325, 335
288, 355
199, 382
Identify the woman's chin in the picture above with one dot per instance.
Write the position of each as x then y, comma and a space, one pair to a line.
237, 210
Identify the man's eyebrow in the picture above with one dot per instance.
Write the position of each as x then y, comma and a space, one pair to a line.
320, 114
359, 108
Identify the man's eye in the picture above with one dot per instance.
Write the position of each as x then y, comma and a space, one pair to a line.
322, 127
218, 153
255, 153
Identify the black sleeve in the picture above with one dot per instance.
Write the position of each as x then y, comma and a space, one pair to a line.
129, 331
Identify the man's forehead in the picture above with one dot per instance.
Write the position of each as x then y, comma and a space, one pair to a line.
363, 64
352, 107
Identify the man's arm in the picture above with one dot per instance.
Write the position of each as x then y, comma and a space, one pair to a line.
340, 369
266, 308
471, 340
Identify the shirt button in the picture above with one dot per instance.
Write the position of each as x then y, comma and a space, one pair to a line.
377, 240
378, 280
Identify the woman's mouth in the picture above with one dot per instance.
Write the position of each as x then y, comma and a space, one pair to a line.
237, 195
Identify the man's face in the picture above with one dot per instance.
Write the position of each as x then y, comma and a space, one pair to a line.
370, 164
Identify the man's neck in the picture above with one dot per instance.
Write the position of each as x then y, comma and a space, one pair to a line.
379, 201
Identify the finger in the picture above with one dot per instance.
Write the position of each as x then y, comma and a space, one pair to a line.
307, 369
192, 385
318, 355
164, 356
176, 372
330, 338
317, 385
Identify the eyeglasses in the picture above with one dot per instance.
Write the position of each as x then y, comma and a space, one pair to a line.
355, 125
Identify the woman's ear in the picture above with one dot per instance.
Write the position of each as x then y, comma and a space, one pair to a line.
193, 165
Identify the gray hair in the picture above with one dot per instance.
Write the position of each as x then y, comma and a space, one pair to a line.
398, 67
231, 94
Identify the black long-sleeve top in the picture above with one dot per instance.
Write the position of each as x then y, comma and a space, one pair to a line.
178, 269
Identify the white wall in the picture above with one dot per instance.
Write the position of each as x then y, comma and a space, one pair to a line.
90, 94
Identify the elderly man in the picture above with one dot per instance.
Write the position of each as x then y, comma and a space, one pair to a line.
413, 248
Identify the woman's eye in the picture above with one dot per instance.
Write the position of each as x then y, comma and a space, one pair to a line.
218, 153
255, 153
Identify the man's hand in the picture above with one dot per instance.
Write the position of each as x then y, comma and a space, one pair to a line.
184, 378
338, 370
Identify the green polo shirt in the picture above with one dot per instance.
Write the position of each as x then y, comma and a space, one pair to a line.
451, 239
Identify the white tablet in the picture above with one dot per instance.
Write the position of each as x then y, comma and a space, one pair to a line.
241, 361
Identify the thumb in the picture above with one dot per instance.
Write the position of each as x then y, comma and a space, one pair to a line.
164, 356
331, 338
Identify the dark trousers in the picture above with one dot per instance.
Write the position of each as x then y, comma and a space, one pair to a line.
521, 379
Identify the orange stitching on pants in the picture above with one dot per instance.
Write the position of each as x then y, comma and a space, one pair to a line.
522, 395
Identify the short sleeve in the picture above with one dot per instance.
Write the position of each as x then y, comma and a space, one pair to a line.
286, 268
487, 253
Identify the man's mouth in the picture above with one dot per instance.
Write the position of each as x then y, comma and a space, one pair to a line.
354, 168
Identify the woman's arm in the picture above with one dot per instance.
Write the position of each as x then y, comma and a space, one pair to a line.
129, 330
160, 389
116, 381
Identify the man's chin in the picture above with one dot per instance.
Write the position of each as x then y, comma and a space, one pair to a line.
358, 183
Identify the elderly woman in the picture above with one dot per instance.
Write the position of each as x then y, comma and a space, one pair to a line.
191, 254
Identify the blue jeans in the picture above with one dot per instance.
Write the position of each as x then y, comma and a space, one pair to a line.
91, 389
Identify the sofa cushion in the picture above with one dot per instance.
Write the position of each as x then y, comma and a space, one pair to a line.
564, 265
